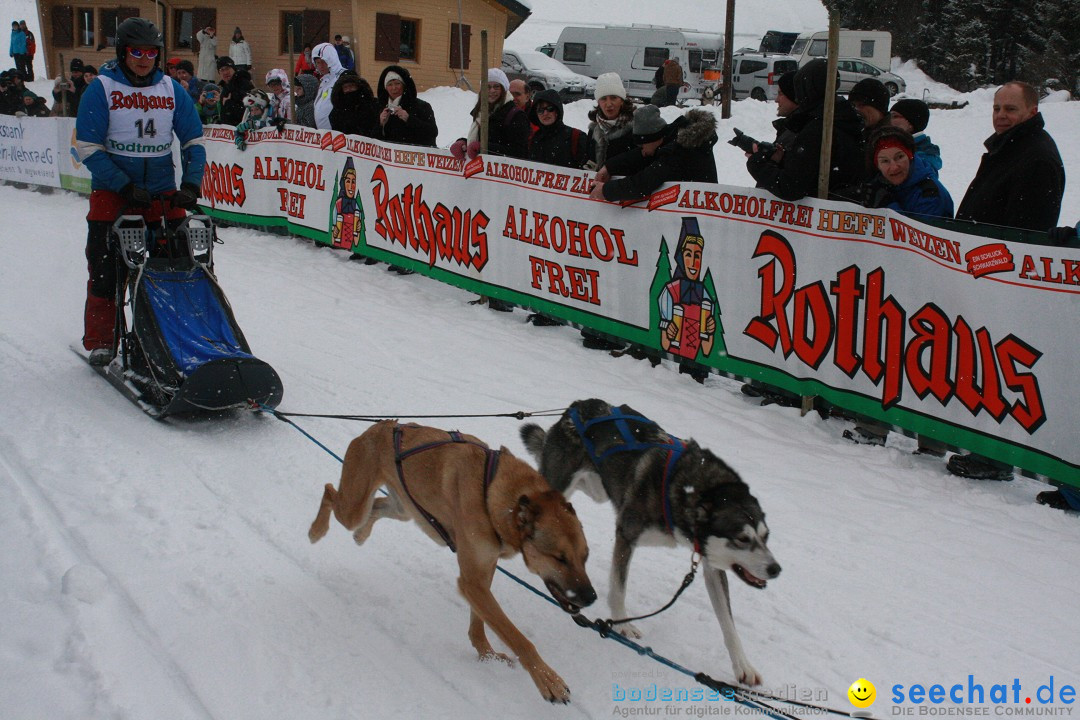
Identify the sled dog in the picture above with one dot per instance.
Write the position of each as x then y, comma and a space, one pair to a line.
664, 491
485, 504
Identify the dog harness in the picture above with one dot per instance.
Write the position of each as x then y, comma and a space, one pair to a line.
630, 443
491, 464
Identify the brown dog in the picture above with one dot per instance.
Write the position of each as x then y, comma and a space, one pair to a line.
486, 504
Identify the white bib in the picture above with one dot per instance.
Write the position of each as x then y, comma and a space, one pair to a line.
140, 119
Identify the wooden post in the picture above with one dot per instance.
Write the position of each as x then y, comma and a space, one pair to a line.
825, 159
729, 40
289, 75
64, 92
483, 92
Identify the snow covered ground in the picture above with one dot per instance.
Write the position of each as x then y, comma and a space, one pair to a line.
162, 570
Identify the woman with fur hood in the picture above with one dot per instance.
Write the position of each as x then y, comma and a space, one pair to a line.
508, 125
610, 127
404, 118
681, 151
356, 111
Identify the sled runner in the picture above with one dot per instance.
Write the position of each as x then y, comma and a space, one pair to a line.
179, 348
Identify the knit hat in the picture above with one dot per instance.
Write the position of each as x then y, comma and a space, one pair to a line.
225, 61
279, 75
89, 69
345, 39
497, 75
786, 84
648, 125
872, 92
609, 84
187, 66
211, 87
888, 136
76, 65
914, 111
394, 76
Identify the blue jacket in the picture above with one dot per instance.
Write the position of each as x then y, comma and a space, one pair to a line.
922, 193
113, 172
930, 152
18, 43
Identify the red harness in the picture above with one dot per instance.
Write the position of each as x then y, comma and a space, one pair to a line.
491, 465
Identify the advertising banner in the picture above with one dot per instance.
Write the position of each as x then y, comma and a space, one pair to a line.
28, 151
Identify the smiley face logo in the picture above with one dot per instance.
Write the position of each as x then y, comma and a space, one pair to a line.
862, 693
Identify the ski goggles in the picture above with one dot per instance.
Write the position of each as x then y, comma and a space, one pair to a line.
137, 53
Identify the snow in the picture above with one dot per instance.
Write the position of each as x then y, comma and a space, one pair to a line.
162, 570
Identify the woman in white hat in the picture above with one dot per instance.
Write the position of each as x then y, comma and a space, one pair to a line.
610, 130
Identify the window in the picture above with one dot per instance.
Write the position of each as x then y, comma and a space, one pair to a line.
866, 49
785, 66
819, 48
110, 20
655, 56
752, 66
188, 23
63, 34
84, 27
867, 69
309, 27
396, 38
460, 36
573, 52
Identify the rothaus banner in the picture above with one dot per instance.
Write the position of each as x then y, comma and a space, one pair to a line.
969, 341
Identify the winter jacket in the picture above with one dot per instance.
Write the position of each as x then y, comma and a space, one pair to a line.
606, 139
18, 43
69, 89
420, 128
31, 43
508, 130
920, 194
305, 104
304, 65
930, 152
673, 73
207, 55
209, 114
685, 155
232, 97
354, 113
346, 57
795, 175
240, 52
556, 144
1020, 180
110, 171
323, 96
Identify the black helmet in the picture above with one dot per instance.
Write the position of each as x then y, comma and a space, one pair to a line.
137, 31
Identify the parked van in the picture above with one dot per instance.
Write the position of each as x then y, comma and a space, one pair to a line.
873, 46
755, 75
636, 51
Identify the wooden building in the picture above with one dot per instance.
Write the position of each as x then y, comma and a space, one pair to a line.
437, 40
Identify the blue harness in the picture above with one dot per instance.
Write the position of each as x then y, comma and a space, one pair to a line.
674, 447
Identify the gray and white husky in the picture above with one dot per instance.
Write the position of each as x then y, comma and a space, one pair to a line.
665, 491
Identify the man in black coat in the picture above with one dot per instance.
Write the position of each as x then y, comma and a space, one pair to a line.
554, 142
1021, 179
355, 109
235, 85
793, 174
681, 151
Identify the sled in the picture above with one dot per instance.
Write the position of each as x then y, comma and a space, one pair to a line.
179, 347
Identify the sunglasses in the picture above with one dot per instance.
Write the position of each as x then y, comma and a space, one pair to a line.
137, 53
545, 109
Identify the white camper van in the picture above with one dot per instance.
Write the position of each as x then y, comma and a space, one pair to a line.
636, 51
873, 46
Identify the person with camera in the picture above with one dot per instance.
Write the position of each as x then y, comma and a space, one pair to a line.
404, 118
207, 38
792, 174
209, 103
124, 136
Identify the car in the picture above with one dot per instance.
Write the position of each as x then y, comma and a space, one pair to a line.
852, 70
541, 72
754, 74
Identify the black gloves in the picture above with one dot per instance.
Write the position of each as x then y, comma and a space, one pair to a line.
136, 196
280, 123
1063, 236
187, 197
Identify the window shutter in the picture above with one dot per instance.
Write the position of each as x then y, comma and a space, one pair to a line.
201, 18
63, 26
387, 37
459, 46
316, 26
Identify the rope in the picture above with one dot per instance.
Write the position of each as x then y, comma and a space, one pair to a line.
518, 415
747, 698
